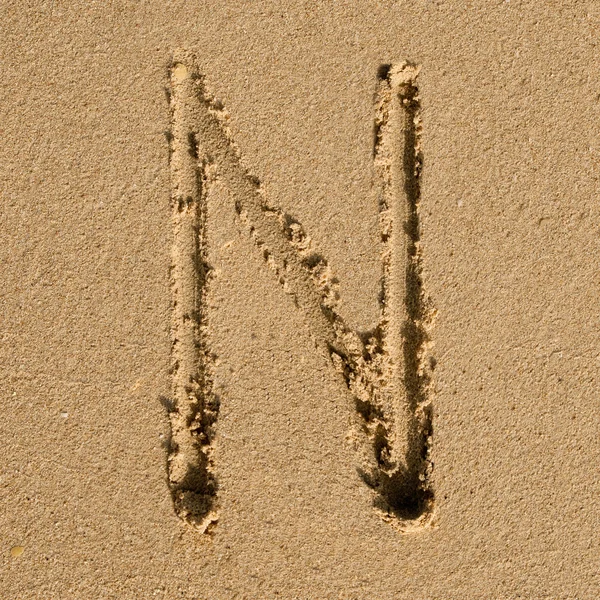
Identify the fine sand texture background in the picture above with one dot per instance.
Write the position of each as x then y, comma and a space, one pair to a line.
300, 300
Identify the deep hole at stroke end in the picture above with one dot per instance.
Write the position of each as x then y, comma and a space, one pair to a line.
196, 509
409, 502
195, 497
412, 505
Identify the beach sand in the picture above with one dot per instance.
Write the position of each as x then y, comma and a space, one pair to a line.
300, 300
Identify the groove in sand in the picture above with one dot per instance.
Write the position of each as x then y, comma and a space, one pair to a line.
387, 372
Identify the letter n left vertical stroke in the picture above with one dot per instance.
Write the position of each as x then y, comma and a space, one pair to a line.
193, 407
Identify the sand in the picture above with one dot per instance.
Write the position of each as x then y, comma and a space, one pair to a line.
299, 300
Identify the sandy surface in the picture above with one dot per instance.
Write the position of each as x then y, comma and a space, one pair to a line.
299, 300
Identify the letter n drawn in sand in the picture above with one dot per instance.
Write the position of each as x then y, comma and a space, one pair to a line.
387, 373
